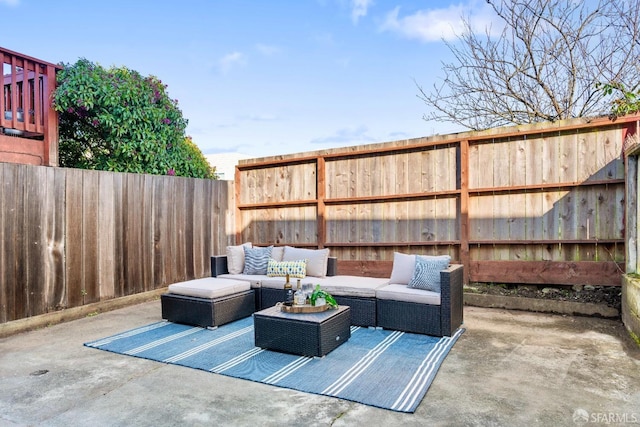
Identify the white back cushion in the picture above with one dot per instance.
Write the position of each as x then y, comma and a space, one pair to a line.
235, 258
317, 259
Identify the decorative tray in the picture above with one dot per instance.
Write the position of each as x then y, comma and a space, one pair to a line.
307, 308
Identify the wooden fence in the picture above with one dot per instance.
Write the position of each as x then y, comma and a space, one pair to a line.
535, 204
532, 204
71, 237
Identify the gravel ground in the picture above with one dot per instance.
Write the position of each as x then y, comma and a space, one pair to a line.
609, 295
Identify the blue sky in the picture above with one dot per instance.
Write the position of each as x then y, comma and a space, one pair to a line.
263, 77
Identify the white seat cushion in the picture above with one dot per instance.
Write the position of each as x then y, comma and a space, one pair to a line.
278, 282
397, 292
209, 287
351, 286
254, 279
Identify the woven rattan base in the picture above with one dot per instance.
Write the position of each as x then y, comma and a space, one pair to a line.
363, 310
270, 297
410, 317
307, 334
207, 312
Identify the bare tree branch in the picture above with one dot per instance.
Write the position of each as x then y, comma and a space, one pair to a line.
544, 66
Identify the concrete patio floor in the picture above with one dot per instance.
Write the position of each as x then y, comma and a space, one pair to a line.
509, 368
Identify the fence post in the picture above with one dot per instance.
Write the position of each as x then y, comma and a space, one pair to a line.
463, 166
320, 207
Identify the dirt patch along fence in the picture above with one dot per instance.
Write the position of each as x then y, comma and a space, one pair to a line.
541, 204
72, 237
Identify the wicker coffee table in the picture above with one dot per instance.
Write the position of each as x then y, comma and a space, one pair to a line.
306, 334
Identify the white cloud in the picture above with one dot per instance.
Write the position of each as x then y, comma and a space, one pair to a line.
436, 24
359, 9
231, 60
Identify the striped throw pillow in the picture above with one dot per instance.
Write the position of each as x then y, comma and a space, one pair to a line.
296, 269
256, 260
426, 273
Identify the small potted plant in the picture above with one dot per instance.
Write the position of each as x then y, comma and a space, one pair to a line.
319, 298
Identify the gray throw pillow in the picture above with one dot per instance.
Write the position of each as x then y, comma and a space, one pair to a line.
426, 273
256, 260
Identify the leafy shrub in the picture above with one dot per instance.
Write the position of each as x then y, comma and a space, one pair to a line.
627, 102
117, 120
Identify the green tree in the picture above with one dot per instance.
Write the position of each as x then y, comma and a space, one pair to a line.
117, 120
627, 101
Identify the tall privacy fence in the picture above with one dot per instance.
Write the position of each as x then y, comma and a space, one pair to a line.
535, 204
71, 237
538, 204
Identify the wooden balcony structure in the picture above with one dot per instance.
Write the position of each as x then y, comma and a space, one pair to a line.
28, 123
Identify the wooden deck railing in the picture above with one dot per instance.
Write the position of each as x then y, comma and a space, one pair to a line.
28, 124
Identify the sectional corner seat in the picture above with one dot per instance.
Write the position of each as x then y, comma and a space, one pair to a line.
374, 302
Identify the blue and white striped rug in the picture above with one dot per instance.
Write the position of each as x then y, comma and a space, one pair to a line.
388, 369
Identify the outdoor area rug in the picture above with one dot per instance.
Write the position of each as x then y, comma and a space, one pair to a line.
387, 369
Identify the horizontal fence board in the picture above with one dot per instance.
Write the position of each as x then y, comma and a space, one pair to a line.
280, 225
279, 183
547, 272
557, 251
365, 268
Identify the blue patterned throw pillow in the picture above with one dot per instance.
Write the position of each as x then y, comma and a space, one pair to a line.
296, 269
426, 273
256, 260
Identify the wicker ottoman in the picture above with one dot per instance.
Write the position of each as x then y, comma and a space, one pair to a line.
208, 302
312, 334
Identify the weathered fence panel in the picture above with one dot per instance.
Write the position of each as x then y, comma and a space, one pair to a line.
71, 237
545, 201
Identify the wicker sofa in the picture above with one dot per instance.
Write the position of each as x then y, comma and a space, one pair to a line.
374, 302
356, 292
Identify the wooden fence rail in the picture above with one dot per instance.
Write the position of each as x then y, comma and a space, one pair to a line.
71, 237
